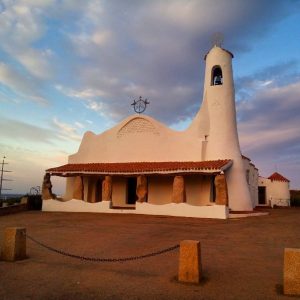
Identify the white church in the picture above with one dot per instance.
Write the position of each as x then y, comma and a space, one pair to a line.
140, 166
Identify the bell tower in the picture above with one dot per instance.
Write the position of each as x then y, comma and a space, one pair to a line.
222, 139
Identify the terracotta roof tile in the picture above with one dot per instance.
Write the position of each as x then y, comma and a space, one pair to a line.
277, 177
142, 167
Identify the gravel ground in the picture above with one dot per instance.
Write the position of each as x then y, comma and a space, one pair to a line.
241, 258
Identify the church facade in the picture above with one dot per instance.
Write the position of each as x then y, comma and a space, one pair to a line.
141, 166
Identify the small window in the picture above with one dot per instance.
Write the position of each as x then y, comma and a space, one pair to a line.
216, 76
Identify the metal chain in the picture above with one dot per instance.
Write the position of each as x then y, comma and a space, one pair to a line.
95, 259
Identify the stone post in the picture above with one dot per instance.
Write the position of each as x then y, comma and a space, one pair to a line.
190, 268
291, 272
221, 190
47, 188
142, 188
78, 188
14, 244
178, 195
107, 188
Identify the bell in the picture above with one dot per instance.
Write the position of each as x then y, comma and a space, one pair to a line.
218, 80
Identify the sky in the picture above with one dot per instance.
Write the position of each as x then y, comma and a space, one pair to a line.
69, 66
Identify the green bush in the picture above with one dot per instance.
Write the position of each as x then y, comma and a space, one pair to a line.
34, 202
12, 201
295, 197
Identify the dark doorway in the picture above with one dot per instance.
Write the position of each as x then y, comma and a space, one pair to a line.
213, 189
131, 190
98, 190
261, 195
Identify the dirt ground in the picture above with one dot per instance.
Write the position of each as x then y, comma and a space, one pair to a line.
242, 258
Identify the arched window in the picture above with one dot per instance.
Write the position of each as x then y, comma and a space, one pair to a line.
216, 76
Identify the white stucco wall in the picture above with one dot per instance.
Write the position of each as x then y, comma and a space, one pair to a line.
138, 138
277, 192
223, 142
252, 180
171, 209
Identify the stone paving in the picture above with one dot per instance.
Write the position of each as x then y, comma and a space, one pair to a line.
241, 258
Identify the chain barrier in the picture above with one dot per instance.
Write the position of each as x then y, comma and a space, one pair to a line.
95, 259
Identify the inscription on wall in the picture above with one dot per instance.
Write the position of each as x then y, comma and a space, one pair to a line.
137, 126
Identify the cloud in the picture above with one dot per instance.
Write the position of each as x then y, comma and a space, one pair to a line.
22, 85
66, 131
22, 24
269, 129
21, 159
79, 125
281, 104
154, 49
115, 51
20, 131
280, 74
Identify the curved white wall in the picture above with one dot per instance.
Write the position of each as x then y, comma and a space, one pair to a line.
138, 138
223, 139
277, 192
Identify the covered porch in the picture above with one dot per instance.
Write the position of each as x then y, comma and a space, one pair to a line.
167, 188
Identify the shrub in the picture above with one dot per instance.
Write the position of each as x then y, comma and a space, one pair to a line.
295, 197
34, 202
12, 201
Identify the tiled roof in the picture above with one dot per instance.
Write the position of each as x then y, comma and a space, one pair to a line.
214, 166
278, 177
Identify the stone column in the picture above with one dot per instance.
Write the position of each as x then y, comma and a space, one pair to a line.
107, 188
47, 188
291, 271
78, 188
221, 190
142, 188
190, 267
14, 244
178, 195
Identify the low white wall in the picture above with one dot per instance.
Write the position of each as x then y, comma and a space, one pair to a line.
171, 209
279, 202
183, 210
81, 206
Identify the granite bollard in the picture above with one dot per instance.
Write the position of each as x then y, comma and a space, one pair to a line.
190, 268
291, 271
14, 244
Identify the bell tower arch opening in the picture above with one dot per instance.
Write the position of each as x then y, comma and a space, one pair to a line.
216, 76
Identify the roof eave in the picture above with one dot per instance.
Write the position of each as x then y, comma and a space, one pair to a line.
168, 172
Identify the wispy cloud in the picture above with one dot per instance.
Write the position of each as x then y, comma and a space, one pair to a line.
21, 24
66, 131
280, 74
20, 84
21, 131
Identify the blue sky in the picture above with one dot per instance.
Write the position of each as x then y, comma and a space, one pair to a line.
68, 66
